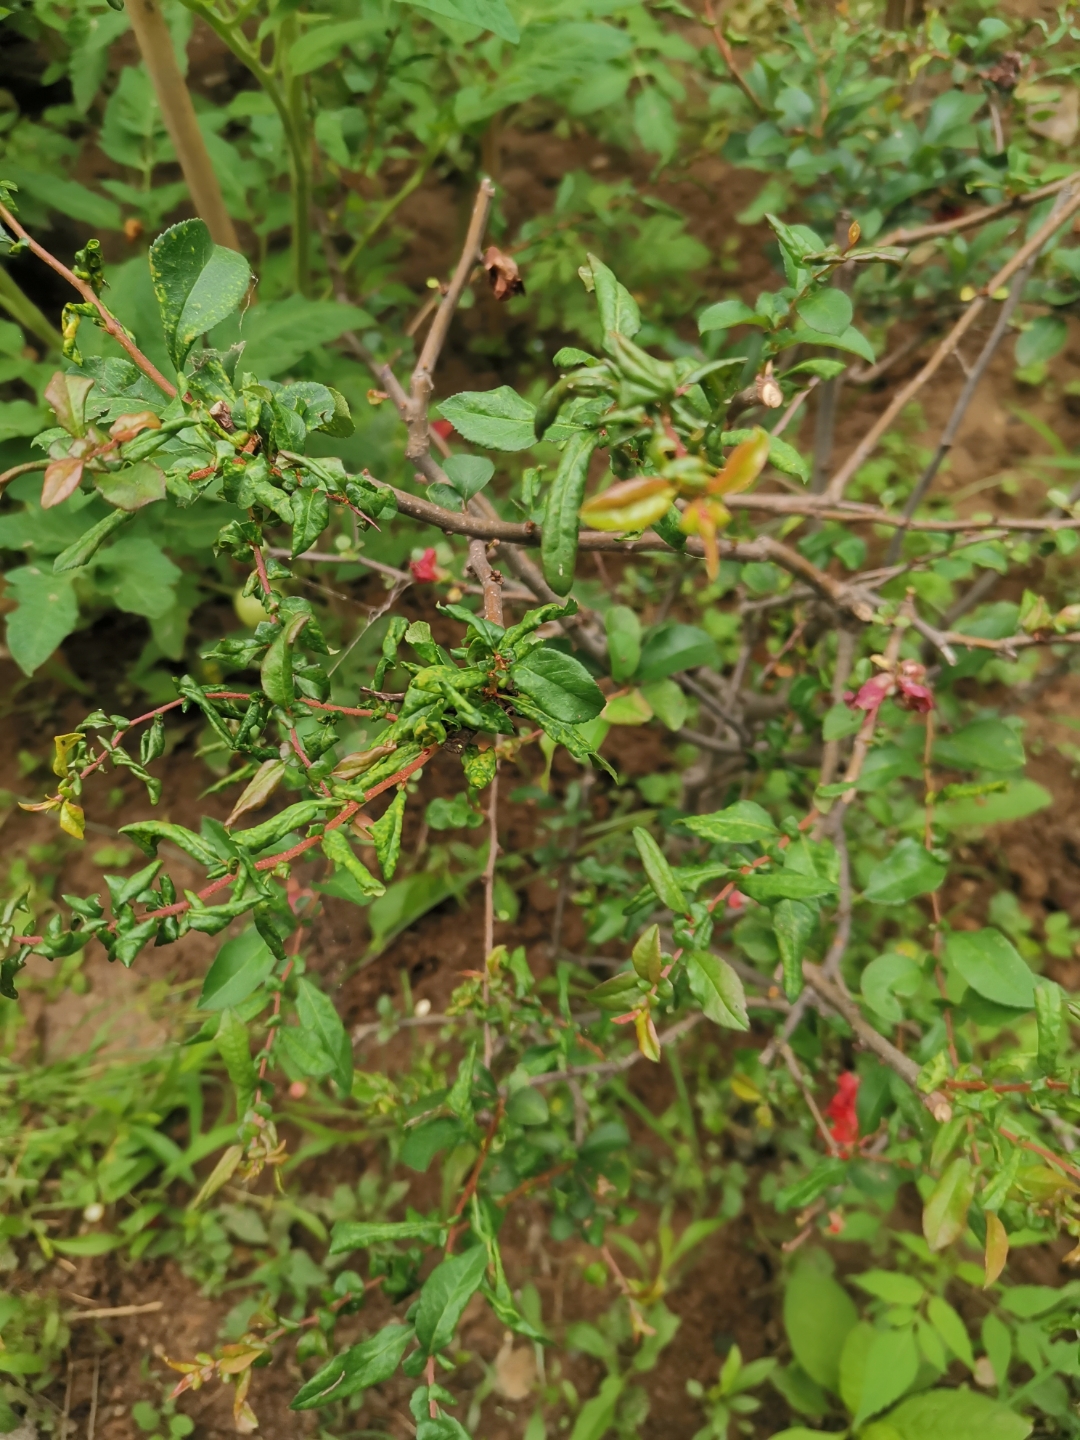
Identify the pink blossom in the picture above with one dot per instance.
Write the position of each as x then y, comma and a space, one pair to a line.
841, 1109
424, 569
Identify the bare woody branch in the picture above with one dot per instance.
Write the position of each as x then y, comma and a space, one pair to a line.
972, 219
178, 113
421, 385
967, 394
837, 998
866, 446
111, 324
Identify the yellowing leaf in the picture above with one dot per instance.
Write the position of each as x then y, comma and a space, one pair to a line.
743, 466
630, 505
997, 1249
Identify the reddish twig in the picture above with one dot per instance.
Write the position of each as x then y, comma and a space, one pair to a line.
111, 324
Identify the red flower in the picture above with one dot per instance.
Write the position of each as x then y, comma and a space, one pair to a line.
870, 696
424, 569
905, 684
442, 428
736, 900
914, 695
841, 1109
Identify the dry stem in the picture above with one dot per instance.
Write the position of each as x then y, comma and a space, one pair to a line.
178, 113
419, 434
947, 346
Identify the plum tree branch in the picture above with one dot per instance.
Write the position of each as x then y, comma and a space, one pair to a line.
178, 113
972, 219
967, 394
837, 998
421, 384
948, 344
111, 324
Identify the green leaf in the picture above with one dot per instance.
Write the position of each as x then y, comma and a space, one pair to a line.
497, 419
982, 745
597, 1415
672, 648
1051, 1023
441, 1427
829, 311
197, 284
560, 684
851, 340
239, 968
663, 882
717, 989
654, 122
66, 197
667, 702
1042, 340
886, 977
148, 835
386, 835
82, 550
624, 641
952, 1329
424, 1143
785, 885
629, 709
892, 1286
84, 1246
726, 313
318, 1016
446, 1292
618, 308
992, 967
468, 474
358, 1368
527, 1106
744, 823
909, 870
782, 455
559, 538
945, 1213
47, 613
349, 1235
958, 1415
839, 721
278, 333
311, 515
293, 817
890, 1366
322, 43
818, 1314
232, 1043
491, 15
793, 924
619, 992
140, 484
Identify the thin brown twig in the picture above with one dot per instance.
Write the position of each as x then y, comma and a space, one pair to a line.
110, 1312
947, 346
800, 1079
25, 469
615, 1067
489, 902
421, 383
967, 394
973, 218
837, 998
728, 55
111, 324
91, 1423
